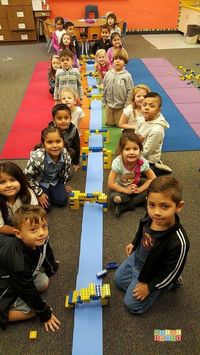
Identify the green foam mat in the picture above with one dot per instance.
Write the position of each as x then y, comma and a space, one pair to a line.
115, 134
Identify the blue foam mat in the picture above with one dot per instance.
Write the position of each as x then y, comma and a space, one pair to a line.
180, 136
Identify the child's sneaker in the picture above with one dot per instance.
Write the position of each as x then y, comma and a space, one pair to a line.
161, 166
176, 284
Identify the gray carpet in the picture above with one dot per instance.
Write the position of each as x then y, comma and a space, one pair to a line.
123, 332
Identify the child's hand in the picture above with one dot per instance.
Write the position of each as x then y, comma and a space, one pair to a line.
141, 138
76, 167
43, 200
129, 249
131, 189
68, 188
141, 291
52, 324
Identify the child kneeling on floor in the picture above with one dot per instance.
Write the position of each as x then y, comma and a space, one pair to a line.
150, 126
21, 278
157, 255
124, 181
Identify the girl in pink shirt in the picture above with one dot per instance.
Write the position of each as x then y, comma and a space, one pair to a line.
102, 64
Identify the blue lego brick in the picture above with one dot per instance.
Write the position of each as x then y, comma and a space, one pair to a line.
70, 297
84, 168
79, 300
101, 274
96, 149
112, 265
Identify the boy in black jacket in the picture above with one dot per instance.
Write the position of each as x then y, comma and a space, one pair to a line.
61, 114
157, 255
70, 30
104, 42
21, 279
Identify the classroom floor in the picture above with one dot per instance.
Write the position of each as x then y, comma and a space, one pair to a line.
124, 334
169, 41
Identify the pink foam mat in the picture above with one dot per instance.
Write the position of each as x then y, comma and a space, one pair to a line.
196, 128
184, 95
169, 81
191, 112
154, 62
167, 70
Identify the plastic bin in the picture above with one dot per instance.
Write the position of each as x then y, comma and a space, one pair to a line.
192, 34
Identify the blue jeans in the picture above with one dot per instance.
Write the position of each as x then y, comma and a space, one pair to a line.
126, 278
57, 195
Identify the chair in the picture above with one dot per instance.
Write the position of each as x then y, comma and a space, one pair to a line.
123, 34
91, 10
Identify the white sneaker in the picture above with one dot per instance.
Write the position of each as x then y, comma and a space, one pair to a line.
161, 166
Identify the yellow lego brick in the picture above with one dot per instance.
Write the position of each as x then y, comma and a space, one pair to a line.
87, 136
67, 305
74, 204
84, 294
76, 192
104, 301
74, 297
91, 289
33, 334
105, 291
85, 150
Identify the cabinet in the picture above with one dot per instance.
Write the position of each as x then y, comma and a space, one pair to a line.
16, 21
188, 17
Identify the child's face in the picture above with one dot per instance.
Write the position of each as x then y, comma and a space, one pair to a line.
101, 59
119, 64
59, 26
55, 63
105, 34
150, 108
68, 99
9, 186
53, 145
66, 40
66, 62
70, 30
139, 98
116, 42
162, 210
110, 21
130, 153
34, 235
62, 119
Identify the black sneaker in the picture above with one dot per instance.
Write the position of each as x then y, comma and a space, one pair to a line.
176, 284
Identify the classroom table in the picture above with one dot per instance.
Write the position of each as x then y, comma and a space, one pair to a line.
85, 30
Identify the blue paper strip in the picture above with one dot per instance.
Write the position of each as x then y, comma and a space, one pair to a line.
88, 333
95, 141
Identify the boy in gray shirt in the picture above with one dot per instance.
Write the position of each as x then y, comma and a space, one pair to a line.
117, 86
